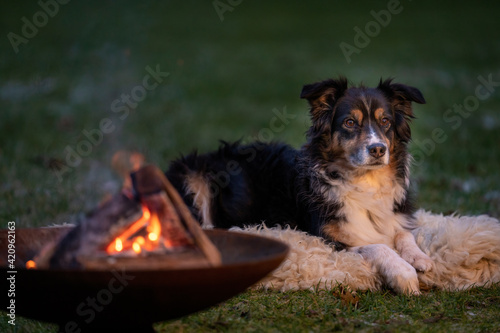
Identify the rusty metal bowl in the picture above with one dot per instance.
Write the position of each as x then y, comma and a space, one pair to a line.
132, 300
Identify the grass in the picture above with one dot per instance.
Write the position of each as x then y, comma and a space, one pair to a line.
225, 79
327, 311
475, 310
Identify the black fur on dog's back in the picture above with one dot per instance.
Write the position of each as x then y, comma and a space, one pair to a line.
247, 184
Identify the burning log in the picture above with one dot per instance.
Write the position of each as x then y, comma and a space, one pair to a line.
149, 227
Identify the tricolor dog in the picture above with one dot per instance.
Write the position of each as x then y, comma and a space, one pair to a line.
349, 182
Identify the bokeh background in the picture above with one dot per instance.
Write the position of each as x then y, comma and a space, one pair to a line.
232, 66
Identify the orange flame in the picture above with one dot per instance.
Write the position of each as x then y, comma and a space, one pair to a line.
154, 228
30, 264
118, 245
136, 247
152, 236
148, 225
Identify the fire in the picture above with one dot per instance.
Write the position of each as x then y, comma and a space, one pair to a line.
30, 264
154, 228
136, 247
152, 236
143, 234
118, 245
140, 240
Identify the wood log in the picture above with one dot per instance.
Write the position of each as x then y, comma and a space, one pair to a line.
184, 242
150, 179
91, 235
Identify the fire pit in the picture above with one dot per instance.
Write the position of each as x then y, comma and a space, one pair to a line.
120, 299
138, 258
146, 226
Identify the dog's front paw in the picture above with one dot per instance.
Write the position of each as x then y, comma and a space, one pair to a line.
423, 264
405, 280
420, 261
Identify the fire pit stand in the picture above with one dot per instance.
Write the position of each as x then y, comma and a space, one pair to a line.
115, 300
85, 283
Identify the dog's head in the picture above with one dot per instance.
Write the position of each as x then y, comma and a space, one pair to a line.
358, 127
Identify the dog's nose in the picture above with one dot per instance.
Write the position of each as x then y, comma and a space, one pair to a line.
377, 150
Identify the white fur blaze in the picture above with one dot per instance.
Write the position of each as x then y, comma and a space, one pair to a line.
199, 188
368, 202
396, 272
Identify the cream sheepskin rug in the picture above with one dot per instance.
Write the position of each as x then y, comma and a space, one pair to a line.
465, 250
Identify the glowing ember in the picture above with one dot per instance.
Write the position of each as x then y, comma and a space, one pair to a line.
30, 264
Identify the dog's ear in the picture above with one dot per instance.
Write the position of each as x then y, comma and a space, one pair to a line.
401, 96
323, 95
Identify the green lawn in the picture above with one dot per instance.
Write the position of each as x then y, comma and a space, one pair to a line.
70, 78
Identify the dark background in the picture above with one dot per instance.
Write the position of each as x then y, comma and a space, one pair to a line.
226, 76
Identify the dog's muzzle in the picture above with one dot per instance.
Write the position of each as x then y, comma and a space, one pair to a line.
377, 150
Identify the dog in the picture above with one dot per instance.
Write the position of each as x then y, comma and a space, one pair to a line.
349, 183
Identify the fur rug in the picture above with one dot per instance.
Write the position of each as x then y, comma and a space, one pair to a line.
465, 250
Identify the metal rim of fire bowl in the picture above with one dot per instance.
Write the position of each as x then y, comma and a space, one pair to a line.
100, 300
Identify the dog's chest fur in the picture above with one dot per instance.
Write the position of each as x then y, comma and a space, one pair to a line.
367, 207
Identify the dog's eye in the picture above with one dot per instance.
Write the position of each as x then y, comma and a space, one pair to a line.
385, 122
349, 123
